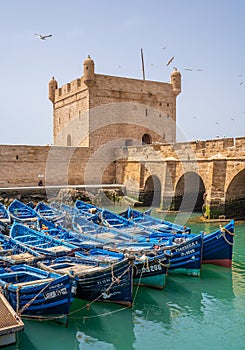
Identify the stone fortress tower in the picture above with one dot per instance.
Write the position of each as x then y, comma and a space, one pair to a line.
95, 109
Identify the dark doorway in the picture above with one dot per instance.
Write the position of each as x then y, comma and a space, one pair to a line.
152, 192
235, 197
189, 193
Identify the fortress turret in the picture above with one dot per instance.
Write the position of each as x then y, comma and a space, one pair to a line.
88, 71
176, 81
52, 86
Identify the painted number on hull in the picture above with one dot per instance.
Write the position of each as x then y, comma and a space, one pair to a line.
152, 268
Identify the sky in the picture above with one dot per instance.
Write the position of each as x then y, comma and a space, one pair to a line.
205, 37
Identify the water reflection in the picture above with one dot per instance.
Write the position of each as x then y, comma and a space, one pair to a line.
87, 342
105, 324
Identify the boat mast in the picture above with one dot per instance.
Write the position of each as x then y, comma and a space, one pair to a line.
143, 66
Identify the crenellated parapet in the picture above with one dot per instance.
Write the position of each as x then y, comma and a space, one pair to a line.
75, 102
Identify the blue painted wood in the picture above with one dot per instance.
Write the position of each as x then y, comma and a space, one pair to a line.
33, 292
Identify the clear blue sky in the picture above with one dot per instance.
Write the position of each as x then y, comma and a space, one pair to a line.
200, 34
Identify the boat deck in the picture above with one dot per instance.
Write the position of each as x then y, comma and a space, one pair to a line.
10, 323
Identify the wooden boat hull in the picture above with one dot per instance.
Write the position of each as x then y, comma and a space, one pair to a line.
104, 282
186, 258
50, 213
113, 284
33, 292
12, 253
21, 212
40, 242
148, 221
218, 246
151, 271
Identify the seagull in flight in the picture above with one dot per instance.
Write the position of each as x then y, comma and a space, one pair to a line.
171, 59
43, 37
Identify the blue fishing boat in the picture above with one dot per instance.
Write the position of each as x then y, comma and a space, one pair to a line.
150, 263
13, 253
101, 276
4, 214
21, 212
88, 226
149, 270
81, 241
217, 245
41, 242
150, 267
186, 252
86, 207
146, 220
33, 292
50, 213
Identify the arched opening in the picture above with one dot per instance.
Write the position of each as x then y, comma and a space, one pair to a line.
152, 192
235, 197
146, 139
68, 141
189, 193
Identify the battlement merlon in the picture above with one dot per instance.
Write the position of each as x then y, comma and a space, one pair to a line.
114, 83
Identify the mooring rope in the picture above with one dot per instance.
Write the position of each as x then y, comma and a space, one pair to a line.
88, 305
223, 232
33, 299
123, 308
223, 229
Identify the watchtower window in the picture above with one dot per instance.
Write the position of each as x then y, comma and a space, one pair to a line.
146, 139
68, 140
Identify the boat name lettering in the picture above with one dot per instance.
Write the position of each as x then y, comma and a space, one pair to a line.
188, 252
188, 246
55, 293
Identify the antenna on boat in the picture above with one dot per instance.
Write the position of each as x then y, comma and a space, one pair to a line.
143, 66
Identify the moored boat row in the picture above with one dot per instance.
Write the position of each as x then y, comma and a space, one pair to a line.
101, 254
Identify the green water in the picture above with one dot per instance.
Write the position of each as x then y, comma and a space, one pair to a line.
190, 313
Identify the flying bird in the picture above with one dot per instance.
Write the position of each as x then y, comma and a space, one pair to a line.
197, 70
171, 60
43, 37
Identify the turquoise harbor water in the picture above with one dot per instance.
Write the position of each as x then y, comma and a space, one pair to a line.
190, 313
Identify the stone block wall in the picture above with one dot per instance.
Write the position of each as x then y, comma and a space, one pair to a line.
26, 165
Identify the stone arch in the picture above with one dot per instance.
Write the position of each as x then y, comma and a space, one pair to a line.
146, 139
68, 140
235, 196
152, 192
189, 193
